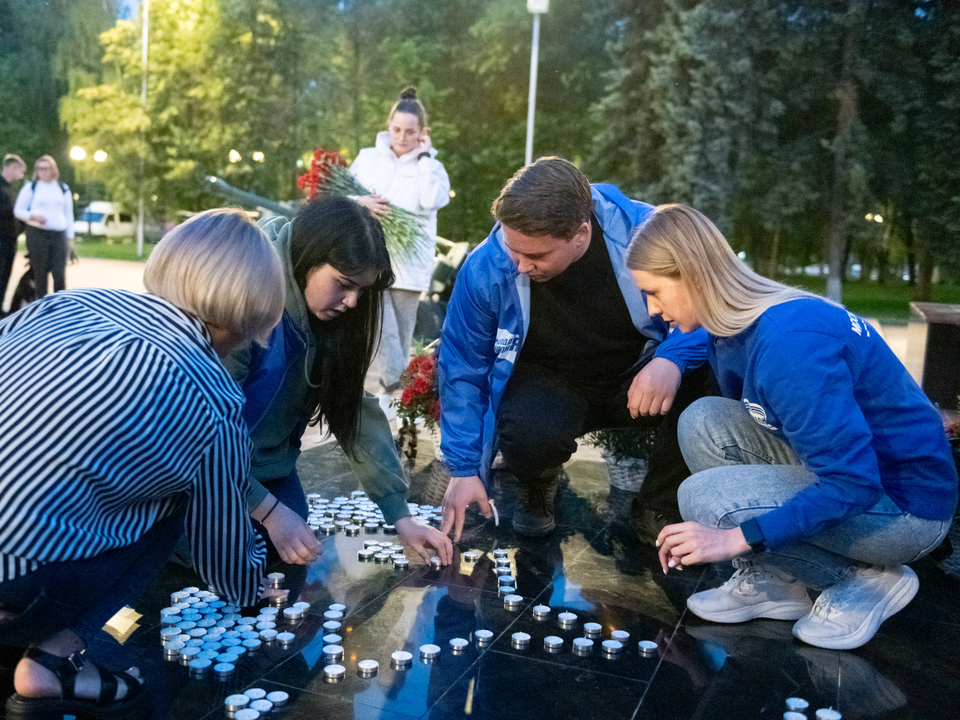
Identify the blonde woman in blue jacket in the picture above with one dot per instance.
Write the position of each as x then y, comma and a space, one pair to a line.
822, 467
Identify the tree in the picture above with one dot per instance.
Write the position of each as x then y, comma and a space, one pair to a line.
221, 99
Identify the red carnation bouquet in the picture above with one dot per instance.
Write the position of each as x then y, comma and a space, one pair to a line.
419, 397
329, 175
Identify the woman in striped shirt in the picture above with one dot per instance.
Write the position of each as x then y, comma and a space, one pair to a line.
129, 431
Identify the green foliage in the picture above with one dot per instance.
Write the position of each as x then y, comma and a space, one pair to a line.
626, 443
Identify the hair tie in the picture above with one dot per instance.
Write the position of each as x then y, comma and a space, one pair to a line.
264, 518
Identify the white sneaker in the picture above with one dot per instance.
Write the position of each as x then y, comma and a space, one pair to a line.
849, 613
754, 591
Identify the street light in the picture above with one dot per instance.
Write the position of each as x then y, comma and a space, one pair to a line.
537, 8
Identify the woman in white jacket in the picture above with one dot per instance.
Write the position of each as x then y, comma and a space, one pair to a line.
402, 169
46, 206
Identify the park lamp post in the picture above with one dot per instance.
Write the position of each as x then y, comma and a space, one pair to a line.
536, 8
144, 44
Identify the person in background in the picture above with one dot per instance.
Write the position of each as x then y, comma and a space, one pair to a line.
46, 205
403, 169
13, 169
822, 466
133, 434
336, 271
548, 338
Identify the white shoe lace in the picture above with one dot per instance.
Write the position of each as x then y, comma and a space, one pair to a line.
744, 580
835, 600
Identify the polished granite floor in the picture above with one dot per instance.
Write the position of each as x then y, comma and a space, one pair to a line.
592, 567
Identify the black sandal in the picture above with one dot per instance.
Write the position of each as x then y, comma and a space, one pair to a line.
106, 707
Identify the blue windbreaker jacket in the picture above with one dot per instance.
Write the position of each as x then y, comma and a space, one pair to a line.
486, 324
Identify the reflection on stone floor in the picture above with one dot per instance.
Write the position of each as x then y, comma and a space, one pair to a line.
592, 567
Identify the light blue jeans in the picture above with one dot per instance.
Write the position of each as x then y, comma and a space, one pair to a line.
399, 320
741, 470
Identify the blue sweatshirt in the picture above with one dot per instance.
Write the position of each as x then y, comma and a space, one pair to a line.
823, 379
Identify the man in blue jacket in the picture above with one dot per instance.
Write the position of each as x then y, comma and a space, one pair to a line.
548, 338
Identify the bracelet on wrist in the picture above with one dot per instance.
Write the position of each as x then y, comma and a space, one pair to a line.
273, 507
423, 155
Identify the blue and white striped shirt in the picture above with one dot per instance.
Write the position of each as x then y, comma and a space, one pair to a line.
115, 412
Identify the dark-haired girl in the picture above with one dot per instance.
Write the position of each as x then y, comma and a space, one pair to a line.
403, 169
336, 268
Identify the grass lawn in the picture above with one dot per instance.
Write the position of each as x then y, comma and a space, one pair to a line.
112, 249
890, 303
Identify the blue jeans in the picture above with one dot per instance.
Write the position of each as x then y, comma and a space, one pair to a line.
82, 595
741, 470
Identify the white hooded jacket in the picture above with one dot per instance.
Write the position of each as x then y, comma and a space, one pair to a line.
421, 186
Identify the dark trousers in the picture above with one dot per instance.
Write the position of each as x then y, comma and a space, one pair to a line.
542, 414
83, 595
48, 256
8, 251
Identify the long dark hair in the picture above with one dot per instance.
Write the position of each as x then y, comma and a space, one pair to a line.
339, 232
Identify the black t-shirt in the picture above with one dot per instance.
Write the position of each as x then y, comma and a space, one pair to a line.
580, 326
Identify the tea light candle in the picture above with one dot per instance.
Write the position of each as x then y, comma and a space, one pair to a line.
278, 697
332, 625
520, 640
828, 714
592, 629
541, 612
368, 668
233, 703
582, 646
620, 635
647, 647
401, 659
566, 619
470, 556
334, 672
483, 637
611, 647
512, 602
332, 639
333, 651
224, 669
286, 638
797, 704
458, 645
552, 643
429, 652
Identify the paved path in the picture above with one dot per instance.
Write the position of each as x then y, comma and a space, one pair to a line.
89, 272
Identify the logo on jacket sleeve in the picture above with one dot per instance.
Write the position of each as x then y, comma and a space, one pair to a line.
506, 345
757, 413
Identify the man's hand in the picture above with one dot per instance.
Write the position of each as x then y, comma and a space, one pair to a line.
290, 535
460, 493
689, 543
654, 388
378, 205
418, 536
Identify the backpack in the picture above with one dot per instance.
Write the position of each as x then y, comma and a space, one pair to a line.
33, 191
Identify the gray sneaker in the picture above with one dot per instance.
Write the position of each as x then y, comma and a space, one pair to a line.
754, 591
534, 514
848, 614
